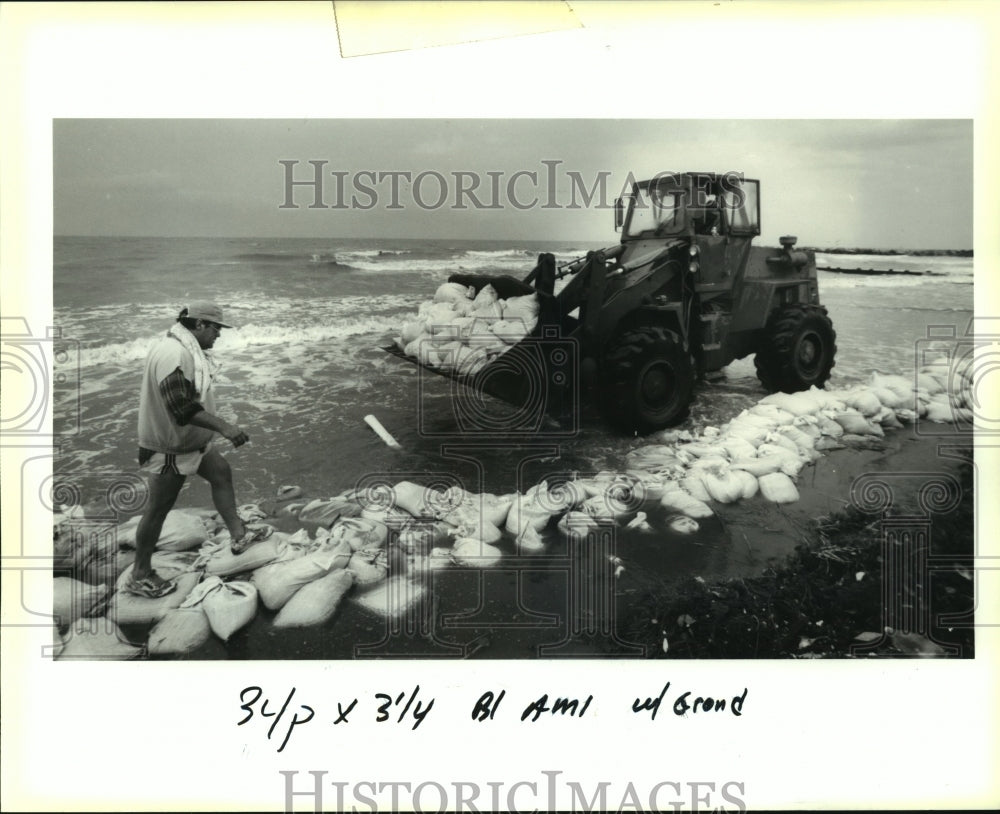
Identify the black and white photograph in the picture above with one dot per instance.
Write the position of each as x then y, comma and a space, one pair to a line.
382, 395
673, 409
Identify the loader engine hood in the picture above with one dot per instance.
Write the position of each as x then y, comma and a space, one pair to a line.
643, 253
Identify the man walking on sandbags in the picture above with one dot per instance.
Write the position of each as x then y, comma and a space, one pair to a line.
177, 421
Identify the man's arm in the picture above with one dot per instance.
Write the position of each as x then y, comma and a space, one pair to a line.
178, 392
205, 419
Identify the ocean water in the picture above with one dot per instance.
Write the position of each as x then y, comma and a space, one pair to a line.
304, 365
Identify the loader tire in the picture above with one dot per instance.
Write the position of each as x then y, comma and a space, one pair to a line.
799, 349
646, 381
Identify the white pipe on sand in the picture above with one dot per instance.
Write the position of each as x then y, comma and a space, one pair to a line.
381, 431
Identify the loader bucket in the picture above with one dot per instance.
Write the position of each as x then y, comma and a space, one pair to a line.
539, 376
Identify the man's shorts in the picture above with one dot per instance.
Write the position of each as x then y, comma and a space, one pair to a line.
162, 463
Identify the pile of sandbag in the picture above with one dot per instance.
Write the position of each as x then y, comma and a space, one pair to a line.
764, 448
365, 542
462, 331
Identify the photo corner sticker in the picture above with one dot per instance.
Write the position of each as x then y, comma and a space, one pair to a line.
366, 28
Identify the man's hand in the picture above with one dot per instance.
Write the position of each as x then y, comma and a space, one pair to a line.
235, 435
221, 426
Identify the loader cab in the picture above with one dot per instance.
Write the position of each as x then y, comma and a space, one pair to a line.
689, 204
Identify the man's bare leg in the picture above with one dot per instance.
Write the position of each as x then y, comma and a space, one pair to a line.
163, 491
216, 470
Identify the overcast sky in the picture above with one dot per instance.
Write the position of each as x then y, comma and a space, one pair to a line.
879, 183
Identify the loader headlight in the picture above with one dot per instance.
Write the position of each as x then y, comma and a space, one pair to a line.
694, 251
693, 266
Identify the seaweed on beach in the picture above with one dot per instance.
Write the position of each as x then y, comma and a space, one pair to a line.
825, 601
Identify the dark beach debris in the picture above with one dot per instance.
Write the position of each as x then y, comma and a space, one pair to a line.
825, 601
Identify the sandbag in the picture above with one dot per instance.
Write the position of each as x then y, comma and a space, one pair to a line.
801, 403
511, 331
412, 329
678, 500
325, 512
900, 386
639, 523
764, 465
755, 419
864, 401
651, 458
68, 548
412, 349
738, 448
72, 599
492, 508
277, 582
803, 441
940, 410
97, 640
853, 422
722, 485
702, 450
649, 486
681, 524
360, 532
222, 562
928, 385
525, 509
485, 314
524, 308
560, 497
487, 296
482, 338
592, 486
105, 566
369, 567
479, 528
528, 540
416, 500
829, 427
886, 417
419, 536
577, 524
181, 532
747, 482
779, 439
693, 485
778, 488
475, 554
230, 608
179, 631
470, 364
449, 353
772, 411
606, 507
709, 462
389, 516
125, 532
826, 399
453, 292
128, 609
316, 602
747, 431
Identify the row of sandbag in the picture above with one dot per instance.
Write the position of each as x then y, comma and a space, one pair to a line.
462, 331
765, 447
302, 579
